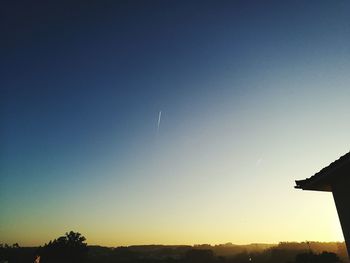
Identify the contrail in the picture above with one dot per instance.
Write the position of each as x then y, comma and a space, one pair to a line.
259, 161
159, 119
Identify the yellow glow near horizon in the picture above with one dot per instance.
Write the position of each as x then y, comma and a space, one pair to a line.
319, 223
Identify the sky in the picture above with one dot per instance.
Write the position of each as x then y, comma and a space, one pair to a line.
171, 122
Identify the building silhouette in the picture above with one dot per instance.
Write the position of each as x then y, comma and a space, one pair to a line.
334, 178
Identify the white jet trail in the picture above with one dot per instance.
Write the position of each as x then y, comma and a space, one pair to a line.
159, 119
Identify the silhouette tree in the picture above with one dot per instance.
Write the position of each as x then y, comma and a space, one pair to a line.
67, 248
199, 255
324, 257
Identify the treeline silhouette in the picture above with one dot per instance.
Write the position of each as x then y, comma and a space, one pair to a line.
72, 248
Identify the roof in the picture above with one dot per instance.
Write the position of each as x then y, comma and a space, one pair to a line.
321, 181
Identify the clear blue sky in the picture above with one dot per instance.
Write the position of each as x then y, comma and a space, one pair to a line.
252, 95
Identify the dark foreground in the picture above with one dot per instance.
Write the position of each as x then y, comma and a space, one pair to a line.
71, 248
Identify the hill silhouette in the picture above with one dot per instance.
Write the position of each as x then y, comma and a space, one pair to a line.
72, 248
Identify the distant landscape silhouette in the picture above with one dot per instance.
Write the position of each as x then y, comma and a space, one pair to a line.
72, 247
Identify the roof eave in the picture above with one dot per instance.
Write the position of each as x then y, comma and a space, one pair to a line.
312, 185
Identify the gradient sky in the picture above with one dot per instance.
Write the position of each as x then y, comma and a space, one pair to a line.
252, 94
